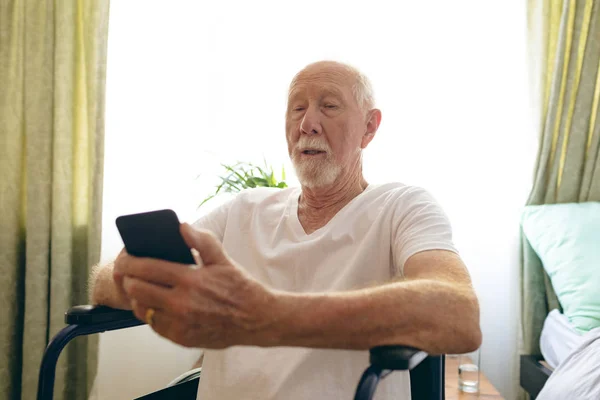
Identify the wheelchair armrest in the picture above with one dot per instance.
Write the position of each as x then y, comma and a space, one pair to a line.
426, 372
93, 315
396, 357
80, 320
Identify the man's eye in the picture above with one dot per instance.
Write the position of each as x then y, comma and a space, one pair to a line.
331, 106
298, 108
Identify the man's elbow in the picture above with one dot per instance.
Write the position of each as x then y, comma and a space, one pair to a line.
454, 337
459, 339
470, 337
459, 331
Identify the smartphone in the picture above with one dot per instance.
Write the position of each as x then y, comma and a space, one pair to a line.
154, 234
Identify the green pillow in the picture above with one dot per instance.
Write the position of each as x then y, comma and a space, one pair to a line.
566, 238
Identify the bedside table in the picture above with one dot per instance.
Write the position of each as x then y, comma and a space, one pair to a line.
486, 389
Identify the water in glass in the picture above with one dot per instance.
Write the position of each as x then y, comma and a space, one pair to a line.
468, 377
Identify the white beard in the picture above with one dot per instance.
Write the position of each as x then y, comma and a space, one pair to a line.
315, 173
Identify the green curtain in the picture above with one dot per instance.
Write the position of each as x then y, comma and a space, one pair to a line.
52, 72
565, 45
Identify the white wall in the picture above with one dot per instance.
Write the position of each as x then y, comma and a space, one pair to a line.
192, 84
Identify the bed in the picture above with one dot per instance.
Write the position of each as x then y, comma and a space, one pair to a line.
558, 339
566, 238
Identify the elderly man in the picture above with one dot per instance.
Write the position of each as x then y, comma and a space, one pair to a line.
298, 283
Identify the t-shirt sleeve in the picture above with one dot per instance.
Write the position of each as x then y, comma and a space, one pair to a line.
216, 220
420, 224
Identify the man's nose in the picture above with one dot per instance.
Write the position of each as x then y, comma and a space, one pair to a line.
311, 124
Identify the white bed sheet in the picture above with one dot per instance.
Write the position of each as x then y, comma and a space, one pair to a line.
558, 339
578, 376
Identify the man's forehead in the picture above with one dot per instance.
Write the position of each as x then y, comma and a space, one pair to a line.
316, 89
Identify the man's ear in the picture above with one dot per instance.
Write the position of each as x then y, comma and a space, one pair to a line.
373, 121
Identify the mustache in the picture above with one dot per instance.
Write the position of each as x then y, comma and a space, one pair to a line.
313, 144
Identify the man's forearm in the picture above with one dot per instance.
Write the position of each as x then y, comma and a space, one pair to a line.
103, 289
434, 316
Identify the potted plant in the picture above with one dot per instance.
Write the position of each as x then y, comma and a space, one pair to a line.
244, 175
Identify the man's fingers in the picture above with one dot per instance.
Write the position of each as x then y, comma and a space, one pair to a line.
118, 266
162, 321
153, 270
210, 249
148, 294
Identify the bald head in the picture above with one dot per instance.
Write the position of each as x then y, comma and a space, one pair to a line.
344, 73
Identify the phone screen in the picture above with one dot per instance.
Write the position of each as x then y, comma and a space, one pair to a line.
154, 234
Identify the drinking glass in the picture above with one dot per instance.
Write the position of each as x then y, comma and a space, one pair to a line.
469, 366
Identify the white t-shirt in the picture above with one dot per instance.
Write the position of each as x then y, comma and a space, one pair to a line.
365, 243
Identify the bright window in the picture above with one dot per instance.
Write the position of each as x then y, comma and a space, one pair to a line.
193, 84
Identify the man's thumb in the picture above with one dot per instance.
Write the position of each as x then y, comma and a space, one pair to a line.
210, 249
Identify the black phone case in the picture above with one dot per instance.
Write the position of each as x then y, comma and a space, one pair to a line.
154, 234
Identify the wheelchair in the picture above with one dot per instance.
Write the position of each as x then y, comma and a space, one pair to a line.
426, 371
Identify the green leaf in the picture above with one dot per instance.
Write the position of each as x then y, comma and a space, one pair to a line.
232, 178
242, 175
260, 181
262, 172
272, 181
207, 199
230, 184
233, 171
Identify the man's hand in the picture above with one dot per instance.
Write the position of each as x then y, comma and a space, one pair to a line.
214, 306
106, 285
118, 274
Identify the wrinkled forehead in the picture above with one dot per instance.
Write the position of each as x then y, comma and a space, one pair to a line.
317, 91
321, 83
